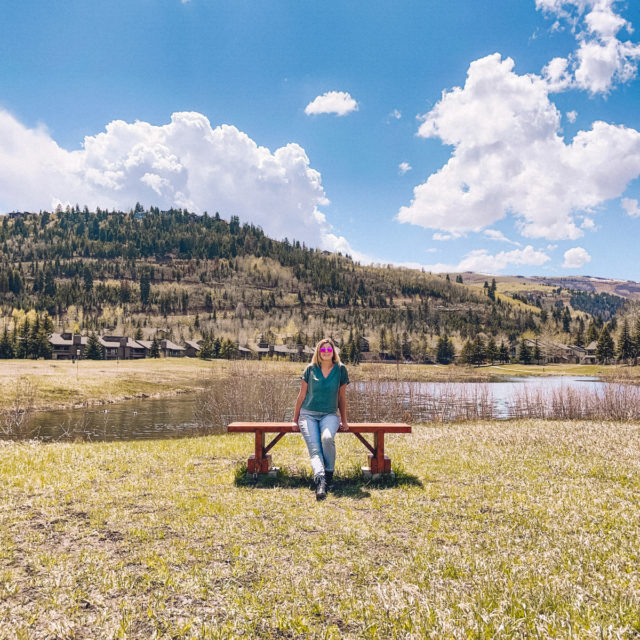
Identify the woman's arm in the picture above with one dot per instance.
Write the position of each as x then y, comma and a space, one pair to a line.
342, 406
301, 396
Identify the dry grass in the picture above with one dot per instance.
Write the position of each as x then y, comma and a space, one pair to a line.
612, 402
492, 530
63, 384
20, 402
250, 392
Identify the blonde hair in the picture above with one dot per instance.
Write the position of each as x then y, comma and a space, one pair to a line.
316, 353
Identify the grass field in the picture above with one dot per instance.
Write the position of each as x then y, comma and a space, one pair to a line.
491, 530
62, 384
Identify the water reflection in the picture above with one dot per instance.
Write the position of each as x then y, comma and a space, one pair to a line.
146, 419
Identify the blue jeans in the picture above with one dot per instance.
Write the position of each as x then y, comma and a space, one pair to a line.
318, 431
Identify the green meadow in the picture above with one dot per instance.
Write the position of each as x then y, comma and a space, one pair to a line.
518, 529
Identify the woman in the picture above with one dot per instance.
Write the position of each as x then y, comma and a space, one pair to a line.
322, 394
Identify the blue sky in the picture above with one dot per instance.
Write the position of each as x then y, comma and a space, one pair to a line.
497, 136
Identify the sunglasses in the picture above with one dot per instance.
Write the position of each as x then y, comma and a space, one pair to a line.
326, 349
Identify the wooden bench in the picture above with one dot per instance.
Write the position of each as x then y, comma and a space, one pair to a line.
260, 461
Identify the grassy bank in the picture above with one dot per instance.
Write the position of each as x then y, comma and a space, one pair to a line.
495, 529
62, 384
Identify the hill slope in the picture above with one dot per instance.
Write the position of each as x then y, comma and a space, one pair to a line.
194, 274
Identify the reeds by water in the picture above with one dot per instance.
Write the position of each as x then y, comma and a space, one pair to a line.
15, 417
253, 394
610, 402
259, 395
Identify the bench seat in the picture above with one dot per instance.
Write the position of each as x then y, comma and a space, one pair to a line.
260, 461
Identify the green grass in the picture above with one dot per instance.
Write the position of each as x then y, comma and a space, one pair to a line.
491, 530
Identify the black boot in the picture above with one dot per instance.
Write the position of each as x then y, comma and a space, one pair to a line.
328, 475
321, 488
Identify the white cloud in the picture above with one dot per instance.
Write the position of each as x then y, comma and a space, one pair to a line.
441, 237
631, 207
494, 234
403, 167
481, 261
395, 114
603, 62
602, 58
185, 163
509, 158
571, 116
557, 75
338, 102
588, 223
575, 258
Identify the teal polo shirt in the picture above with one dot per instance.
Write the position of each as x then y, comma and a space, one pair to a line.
322, 393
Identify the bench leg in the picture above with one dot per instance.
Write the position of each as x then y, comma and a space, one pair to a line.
378, 462
259, 462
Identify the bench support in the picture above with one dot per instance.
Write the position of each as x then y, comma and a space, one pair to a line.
260, 461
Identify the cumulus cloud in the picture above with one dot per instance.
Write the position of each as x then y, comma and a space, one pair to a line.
481, 261
509, 158
631, 207
395, 114
494, 234
403, 167
571, 116
185, 163
338, 102
557, 75
575, 258
602, 58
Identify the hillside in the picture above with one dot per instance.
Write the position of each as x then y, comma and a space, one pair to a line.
192, 275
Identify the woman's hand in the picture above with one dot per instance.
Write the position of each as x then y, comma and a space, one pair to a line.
344, 426
294, 424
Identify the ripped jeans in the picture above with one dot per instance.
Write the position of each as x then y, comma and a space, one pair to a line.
318, 431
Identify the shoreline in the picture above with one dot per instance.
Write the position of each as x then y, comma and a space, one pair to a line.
67, 385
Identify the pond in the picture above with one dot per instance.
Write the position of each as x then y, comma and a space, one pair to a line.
153, 418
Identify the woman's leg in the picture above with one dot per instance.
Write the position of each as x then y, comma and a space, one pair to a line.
310, 430
329, 426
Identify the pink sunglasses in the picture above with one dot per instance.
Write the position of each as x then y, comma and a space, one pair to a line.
326, 349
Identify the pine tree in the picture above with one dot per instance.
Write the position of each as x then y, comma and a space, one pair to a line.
145, 287
445, 351
605, 348
491, 289
478, 350
206, 349
406, 346
503, 353
154, 352
93, 350
636, 341
625, 349
466, 354
227, 349
592, 333
566, 320
524, 352
492, 349
138, 335
23, 348
6, 348
537, 356
87, 276
383, 339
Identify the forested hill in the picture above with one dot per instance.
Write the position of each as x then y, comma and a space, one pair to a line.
124, 269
